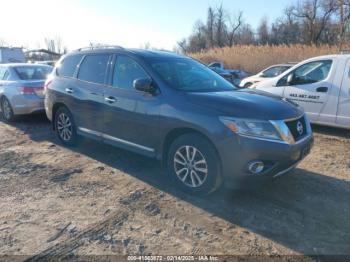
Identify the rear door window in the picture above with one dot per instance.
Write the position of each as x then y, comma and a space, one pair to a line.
69, 65
94, 68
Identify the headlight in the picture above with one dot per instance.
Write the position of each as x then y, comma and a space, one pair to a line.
253, 128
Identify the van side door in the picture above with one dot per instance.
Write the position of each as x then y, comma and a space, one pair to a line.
343, 112
309, 85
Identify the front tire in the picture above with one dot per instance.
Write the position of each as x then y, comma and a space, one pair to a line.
247, 85
194, 165
65, 127
7, 110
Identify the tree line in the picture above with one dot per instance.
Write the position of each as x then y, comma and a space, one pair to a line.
310, 22
54, 45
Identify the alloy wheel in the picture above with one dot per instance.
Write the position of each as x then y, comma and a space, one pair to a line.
64, 127
190, 166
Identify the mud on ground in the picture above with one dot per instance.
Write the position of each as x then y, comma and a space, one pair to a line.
96, 199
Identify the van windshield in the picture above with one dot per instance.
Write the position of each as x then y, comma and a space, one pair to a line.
189, 75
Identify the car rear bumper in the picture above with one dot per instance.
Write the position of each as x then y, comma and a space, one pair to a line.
27, 104
278, 158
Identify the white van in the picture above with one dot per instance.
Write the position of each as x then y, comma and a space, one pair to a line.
320, 85
11, 55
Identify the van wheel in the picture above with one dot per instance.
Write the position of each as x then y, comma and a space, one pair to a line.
6, 110
193, 165
65, 127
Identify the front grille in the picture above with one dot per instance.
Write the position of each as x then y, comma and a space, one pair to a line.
298, 128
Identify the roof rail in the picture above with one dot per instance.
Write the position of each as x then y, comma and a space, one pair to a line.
99, 47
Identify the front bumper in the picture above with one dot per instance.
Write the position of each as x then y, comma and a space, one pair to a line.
27, 104
279, 158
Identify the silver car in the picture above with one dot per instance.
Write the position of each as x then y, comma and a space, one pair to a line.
22, 89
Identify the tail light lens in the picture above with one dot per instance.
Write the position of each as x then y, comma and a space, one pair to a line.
31, 90
46, 85
27, 90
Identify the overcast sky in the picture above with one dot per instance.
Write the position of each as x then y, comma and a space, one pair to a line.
130, 23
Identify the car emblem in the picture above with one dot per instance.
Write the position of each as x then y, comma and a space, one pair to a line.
300, 128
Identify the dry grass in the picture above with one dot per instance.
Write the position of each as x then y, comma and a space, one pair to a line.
255, 58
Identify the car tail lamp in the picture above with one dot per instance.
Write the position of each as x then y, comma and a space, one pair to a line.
30, 90
46, 85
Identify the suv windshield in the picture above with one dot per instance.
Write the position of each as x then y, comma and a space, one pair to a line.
189, 75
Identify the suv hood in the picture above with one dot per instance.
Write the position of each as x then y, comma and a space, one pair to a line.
247, 103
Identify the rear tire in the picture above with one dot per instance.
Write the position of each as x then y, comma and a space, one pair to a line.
247, 85
65, 127
194, 165
6, 110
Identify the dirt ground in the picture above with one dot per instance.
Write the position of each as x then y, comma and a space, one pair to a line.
98, 200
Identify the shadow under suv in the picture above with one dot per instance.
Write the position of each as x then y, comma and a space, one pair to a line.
174, 109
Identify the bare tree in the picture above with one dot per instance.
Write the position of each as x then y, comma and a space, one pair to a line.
220, 26
198, 40
263, 32
344, 20
2, 42
234, 24
306, 22
55, 45
315, 15
210, 27
183, 46
245, 36
146, 46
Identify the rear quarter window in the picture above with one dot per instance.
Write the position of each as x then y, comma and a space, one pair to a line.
68, 66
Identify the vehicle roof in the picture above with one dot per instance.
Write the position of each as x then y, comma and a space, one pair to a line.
286, 64
133, 51
333, 56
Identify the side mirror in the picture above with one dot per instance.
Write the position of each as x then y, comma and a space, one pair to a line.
143, 84
290, 79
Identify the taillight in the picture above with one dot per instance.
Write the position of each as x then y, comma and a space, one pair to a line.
47, 83
30, 90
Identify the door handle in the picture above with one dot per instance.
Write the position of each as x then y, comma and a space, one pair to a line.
69, 90
110, 99
322, 89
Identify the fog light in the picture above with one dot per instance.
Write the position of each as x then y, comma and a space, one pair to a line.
256, 167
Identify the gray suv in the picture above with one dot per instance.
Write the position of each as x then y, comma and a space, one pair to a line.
175, 109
